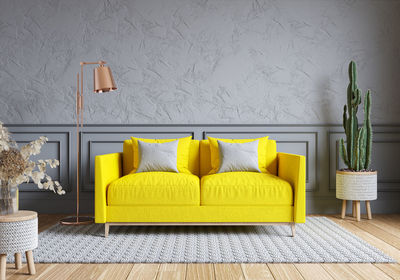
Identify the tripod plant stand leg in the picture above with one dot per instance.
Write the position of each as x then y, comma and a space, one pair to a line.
368, 208
343, 208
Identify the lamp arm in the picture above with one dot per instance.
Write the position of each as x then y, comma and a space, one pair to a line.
100, 62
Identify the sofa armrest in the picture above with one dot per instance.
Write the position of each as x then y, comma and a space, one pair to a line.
292, 168
107, 169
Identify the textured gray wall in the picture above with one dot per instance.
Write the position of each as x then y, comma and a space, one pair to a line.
214, 61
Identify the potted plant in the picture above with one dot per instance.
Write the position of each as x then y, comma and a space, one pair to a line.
357, 182
16, 168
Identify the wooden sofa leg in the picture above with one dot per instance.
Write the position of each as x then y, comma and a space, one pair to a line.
293, 226
106, 229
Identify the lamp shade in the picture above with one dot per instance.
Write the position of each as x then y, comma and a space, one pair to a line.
103, 79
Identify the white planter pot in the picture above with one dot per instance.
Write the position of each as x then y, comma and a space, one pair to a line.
356, 185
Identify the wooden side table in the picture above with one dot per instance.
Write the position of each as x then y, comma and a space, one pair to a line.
18, 233
356, 209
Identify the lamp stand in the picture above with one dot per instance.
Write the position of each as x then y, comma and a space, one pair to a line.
79, 220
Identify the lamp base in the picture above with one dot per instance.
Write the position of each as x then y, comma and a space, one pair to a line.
77, 221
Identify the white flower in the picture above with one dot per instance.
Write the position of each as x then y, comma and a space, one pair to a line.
37, 177
40, 185
21, 179
42, 165
49, 185
4, 145
53, 163
26, 151
60, 191
5, 141
48, 178
46, 185
36, 146
29, 168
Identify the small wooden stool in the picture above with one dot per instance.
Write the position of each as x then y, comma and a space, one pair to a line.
18, 233
356, 209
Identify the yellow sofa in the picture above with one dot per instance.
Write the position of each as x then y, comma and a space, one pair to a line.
234, 198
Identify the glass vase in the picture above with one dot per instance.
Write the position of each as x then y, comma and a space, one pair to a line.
8, 199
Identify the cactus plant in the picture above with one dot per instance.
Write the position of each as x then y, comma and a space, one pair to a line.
356, 153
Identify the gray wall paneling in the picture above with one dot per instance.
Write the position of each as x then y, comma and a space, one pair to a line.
319, 143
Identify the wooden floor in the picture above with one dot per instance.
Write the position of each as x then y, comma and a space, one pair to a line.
382, 232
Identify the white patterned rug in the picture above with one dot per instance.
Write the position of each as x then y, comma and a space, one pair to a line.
318, 240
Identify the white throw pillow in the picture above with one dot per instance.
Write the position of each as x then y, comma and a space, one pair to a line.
158, 156
238, 156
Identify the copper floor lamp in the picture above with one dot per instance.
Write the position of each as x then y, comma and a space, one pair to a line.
103, 82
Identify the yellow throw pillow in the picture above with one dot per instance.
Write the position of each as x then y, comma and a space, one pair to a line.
262, 152
183, 152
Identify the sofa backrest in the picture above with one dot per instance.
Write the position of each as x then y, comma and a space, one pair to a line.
205, 157
199, 157
127, 157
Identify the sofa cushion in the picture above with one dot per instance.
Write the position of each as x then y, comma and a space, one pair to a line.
205, 157
182, 157
158, 157
193, 164
215, 154
234, 157
245, 188
154, 188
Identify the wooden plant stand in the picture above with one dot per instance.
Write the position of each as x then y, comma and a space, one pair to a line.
356, 209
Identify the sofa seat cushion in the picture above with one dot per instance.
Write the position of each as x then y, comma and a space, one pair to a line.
245, 188
155, 189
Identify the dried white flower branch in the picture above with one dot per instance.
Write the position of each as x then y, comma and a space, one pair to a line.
17, 168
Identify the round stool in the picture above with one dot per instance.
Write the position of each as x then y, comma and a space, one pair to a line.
18, 233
